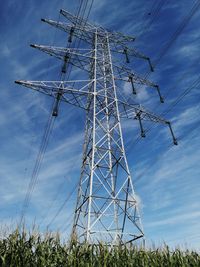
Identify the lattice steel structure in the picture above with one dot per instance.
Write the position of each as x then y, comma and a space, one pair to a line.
106, 207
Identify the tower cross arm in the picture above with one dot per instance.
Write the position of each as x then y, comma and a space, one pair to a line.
65, 91
132, 52
107, 205
127, 75
79, 58
62, 52
83, 33
137, 112
78, 21
131, 111
116, 37
124, 74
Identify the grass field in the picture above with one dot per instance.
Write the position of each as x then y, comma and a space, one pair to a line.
34, 250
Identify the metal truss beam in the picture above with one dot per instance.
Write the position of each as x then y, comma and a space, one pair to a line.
107, 207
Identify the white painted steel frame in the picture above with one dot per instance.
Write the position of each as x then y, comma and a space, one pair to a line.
106, 208
119, 197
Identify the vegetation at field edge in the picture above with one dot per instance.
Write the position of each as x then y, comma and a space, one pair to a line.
22, 249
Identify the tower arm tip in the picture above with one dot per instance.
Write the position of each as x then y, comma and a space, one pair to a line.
62, 11
32, 45
133, 52
18, 82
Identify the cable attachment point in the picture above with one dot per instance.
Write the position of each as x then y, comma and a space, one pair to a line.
138, 116
160, 96
172, 133
71, 34
150, 64
130, 79
126, 55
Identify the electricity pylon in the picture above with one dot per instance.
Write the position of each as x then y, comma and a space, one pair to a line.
106, 207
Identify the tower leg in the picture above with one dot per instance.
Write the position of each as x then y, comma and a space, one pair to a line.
106, 207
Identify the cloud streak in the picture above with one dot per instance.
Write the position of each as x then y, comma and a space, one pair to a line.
166, 177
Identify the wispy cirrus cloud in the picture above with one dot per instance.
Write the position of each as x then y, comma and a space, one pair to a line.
168, 176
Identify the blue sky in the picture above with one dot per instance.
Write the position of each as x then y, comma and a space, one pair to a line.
166, 177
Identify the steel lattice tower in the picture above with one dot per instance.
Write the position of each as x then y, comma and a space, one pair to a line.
106, 207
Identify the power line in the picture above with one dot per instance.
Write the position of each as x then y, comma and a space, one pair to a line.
153, 15
173, 104
52, 202
40, 155
182, 137
69, 224
63, 204
106, 191
190, 131
176, 34
82, 16
37, 165
182, 77
180, 98
178, 31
